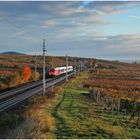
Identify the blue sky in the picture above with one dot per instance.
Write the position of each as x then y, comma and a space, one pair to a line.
99, 29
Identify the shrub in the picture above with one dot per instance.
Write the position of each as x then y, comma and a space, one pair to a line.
35, 76
14, 80
2, 86
25, 73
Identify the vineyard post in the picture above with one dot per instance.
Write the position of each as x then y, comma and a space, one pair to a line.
138, 117
97, 99
108, 102
104, 101
99, 95
125, 110
125, 106
119, 106
94, 93
90, 92
112, 105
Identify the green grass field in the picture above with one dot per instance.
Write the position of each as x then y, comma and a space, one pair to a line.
77, 116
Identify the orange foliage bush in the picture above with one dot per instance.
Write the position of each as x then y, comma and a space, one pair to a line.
26, 73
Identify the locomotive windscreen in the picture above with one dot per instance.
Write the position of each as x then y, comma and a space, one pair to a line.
51, 70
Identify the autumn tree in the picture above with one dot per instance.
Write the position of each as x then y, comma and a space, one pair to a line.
25, 72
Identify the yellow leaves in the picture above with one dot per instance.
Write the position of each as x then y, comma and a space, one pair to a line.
35, 76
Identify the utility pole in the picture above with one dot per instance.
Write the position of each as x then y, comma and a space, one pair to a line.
44, 79
66, 67
35, 63
81, 65
75, 65
52, 67
84, 64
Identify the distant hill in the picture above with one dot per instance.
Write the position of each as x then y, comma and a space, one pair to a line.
12, 53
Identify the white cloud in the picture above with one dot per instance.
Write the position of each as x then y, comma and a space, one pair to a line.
123, 43
61, 8
50, 22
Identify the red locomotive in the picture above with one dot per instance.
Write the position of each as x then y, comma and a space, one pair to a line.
59, 70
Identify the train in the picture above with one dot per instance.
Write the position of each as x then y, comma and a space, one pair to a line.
59, 70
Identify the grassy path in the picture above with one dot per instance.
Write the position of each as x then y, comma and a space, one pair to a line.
62, 127
77, 116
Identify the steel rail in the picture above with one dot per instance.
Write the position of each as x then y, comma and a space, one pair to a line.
27, 94
23, 88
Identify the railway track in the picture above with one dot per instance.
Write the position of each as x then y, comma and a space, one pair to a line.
11, 98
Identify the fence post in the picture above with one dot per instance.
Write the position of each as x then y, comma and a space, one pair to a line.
125, 111
99, 95
94, 93
119, 106
91, 92
112, 105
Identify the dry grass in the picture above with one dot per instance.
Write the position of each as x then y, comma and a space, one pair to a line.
38, 121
